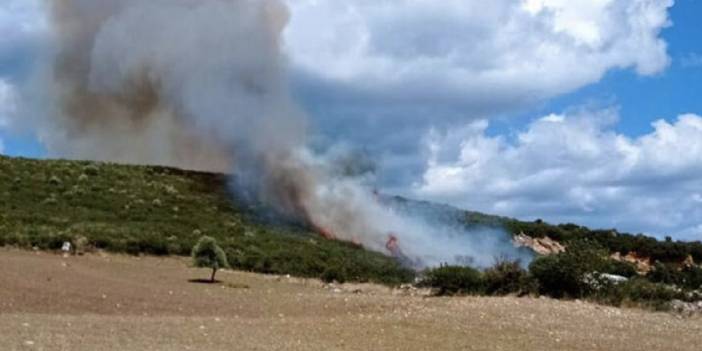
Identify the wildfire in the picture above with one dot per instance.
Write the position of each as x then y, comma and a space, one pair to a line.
393, 245
325, 233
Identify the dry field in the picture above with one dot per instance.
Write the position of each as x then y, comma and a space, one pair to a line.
107, 302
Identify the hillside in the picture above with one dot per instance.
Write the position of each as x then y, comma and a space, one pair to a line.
667, 251
161, 211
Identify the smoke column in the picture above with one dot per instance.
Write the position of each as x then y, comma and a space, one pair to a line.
201, 84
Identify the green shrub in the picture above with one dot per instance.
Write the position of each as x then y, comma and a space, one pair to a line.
683, 277
454, 280
563, 275
207, 254
554, 279
91, 170
334, 274
640, 292
624, 269
665, 274
506, 277
692, 277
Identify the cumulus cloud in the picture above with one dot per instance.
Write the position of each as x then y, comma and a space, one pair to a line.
575, 168
8, 104
381, 73
21, 24
488, 53
18, 19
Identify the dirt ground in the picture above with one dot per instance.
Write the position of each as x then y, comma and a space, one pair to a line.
107, 302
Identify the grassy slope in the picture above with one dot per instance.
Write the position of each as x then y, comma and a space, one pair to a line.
157, 210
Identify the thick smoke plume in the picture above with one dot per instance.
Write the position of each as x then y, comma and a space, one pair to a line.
201, 84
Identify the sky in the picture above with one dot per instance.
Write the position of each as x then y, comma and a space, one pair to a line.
582, 111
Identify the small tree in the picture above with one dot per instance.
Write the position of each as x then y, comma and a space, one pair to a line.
207, 254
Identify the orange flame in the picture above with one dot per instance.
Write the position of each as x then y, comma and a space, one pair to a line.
393, 245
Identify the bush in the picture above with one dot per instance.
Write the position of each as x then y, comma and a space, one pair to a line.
563, 275
334, 274
665, 274
506, 277
624, 269
642, 293
91, 170
207, 254
685, 277
692, 278
453, 280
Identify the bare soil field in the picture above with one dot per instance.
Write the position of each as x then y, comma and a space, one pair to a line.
110, 302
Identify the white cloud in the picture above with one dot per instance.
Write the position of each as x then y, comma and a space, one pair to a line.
382, 73
691, 60
19, 21
8, 102
20, 16
575, 168
501, 52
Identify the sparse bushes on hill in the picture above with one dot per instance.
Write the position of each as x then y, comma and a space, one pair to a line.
113, 207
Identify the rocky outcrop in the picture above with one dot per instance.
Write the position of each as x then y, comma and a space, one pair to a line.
689, 262
642, 264
542, 246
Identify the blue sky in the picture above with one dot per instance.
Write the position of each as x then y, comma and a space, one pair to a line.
583, 111
675, 91
641, 100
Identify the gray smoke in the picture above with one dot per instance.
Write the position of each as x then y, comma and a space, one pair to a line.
201, 84
184, 80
